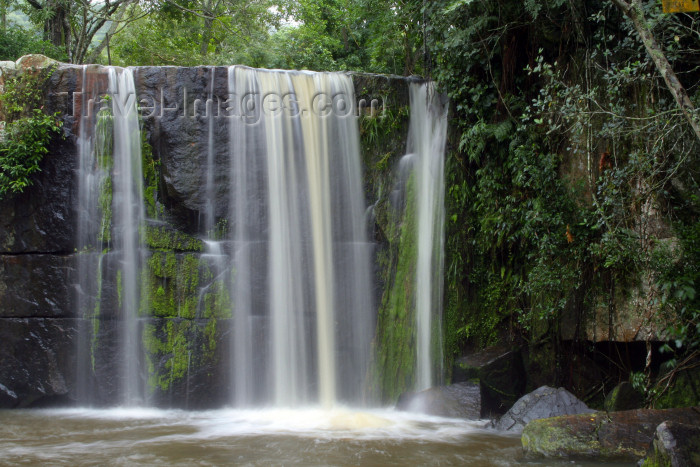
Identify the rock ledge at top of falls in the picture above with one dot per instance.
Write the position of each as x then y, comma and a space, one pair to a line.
617, 436
43, 218
544, 402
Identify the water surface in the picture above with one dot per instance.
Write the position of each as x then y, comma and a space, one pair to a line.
309, 437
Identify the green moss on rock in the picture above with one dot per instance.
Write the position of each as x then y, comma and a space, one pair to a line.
172, 282
151, 176
104, 147
165, 238
395, 341
167, 352
616, 436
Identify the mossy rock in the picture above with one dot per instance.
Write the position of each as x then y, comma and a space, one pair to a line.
675, 444
605, 437
166, 238
184, 361
623, 397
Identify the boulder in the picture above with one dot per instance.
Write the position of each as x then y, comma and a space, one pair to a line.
675, 444
35, 62
544, 402
623, 397
616, 436
460, 400
501, 376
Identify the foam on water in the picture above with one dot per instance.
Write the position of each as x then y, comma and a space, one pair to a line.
315, 422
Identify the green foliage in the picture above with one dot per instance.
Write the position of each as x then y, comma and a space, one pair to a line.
27, 133
568, 154
16, 41
680, 287
326, 35
199, 33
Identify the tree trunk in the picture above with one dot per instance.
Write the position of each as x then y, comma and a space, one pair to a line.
633, 10
206, 35
56, 26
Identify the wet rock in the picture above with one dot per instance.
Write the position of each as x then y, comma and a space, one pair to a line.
501, 376
615, 436
623, 397
37, 360
543, 402
676, 445
460, 400
36, 285
42, 218
182, 376
175, 102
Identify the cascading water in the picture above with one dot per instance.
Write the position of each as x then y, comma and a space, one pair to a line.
427, 134
296, 138
285, 255
127, 225
111, 217
94, 191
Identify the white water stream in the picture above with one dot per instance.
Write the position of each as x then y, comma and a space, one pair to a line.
128, 224
427, 133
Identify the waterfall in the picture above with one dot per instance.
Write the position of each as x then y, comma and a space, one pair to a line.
108, 235
94, 191
299, 223
427, 132
284, 250
127, 226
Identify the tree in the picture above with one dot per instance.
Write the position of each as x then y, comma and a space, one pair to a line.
195, 32
73, 24
635, 12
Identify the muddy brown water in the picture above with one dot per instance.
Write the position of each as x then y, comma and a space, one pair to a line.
272, 437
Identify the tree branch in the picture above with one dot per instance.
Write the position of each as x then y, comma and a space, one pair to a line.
36, 4
633, 10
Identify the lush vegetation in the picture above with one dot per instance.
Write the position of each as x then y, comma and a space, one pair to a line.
573, 189
27, 131
573, 199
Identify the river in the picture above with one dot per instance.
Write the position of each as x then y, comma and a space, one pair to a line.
308, 437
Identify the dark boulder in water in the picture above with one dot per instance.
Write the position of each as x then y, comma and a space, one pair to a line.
623, 397
460, 400
501, 376
675, 444
544, 402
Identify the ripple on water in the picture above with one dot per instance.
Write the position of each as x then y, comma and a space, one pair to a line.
312, 436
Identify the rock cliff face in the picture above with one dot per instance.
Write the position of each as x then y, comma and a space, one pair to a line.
41, 349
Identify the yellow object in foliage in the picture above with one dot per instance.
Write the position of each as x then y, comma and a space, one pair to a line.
680, 6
